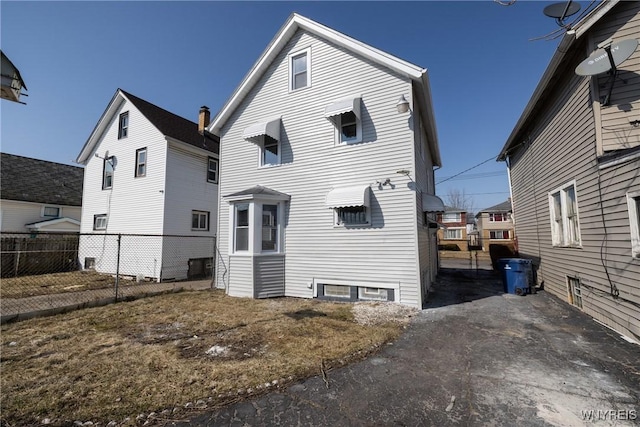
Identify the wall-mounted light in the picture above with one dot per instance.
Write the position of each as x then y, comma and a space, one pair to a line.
402, 105
404, 172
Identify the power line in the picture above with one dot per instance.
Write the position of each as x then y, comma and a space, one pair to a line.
475, 175
466, 170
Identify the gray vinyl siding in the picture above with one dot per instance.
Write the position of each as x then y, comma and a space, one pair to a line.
617, 133
269, 276
312, 166
561, 147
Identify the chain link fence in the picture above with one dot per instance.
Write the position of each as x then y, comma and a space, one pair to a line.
46, 273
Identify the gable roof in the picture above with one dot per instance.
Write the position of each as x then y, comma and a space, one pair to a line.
167, 123
31, 180
297, 22
564, 49
500, 207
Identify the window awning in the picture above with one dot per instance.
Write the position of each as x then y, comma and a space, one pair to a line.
269, 127
342, 106
432, 203
356, 195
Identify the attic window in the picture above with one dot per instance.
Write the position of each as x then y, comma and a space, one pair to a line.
299, 70
123, 126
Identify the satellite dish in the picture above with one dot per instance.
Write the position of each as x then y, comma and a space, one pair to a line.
603, 60
561, 10
114, 161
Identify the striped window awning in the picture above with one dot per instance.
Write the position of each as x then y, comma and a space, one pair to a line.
432, 203
350, 104
356, 195
269, 128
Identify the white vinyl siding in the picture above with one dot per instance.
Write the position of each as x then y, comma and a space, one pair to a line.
312, 165
134, 205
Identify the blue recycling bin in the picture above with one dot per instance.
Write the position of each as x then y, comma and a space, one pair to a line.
516, 275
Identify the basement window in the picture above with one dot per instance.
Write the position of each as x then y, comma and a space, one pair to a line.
575, 292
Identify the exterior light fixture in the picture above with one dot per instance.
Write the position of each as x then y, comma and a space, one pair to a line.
402, 105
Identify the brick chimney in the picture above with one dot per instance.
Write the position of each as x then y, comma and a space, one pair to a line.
203, 118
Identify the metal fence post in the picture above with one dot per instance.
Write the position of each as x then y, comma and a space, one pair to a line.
118, 266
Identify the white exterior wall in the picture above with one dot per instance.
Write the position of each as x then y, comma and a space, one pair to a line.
312, 165
186, 190
134, 204
15, 214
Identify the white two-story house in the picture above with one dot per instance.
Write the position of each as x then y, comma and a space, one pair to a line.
327, 152
148, 172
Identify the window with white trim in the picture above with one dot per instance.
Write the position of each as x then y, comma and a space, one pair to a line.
337, 291
241, 227
200, 220
373, 294
299, 70
256, 226
212, 170
269, 151
107, 173
51, 211
100, 222
270, 230
452, 233
633, 204
141, 162
498, 217
123, 125
452, 217
352, 215
499, 234
563, 208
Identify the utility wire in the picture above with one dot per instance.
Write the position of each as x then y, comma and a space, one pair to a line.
466, 170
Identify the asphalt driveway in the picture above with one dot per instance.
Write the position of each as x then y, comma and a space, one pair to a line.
474, 357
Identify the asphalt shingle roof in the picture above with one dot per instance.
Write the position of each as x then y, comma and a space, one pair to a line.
501, 207
40, 181
175, 126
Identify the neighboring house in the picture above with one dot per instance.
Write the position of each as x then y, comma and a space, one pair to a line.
574, 165
326, 174
454, 228
150, 172
495, 225
38, 195
11, 83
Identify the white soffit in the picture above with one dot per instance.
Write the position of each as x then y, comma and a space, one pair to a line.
346, 105
432, 203
269, 127
355, 195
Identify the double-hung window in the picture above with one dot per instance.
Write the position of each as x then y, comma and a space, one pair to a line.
212, 170
345, 115
141, 162
123, 125
266, 136
200, 220
269, 227
452, 217
563, 208
633, 203
241, 227
299, 70
107, 173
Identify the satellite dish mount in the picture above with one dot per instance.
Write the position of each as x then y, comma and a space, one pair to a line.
607, 59
560, 11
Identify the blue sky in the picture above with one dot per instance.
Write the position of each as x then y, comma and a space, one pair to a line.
482, 63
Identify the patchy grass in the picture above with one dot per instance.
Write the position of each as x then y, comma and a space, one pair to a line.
157, 354
57, 283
